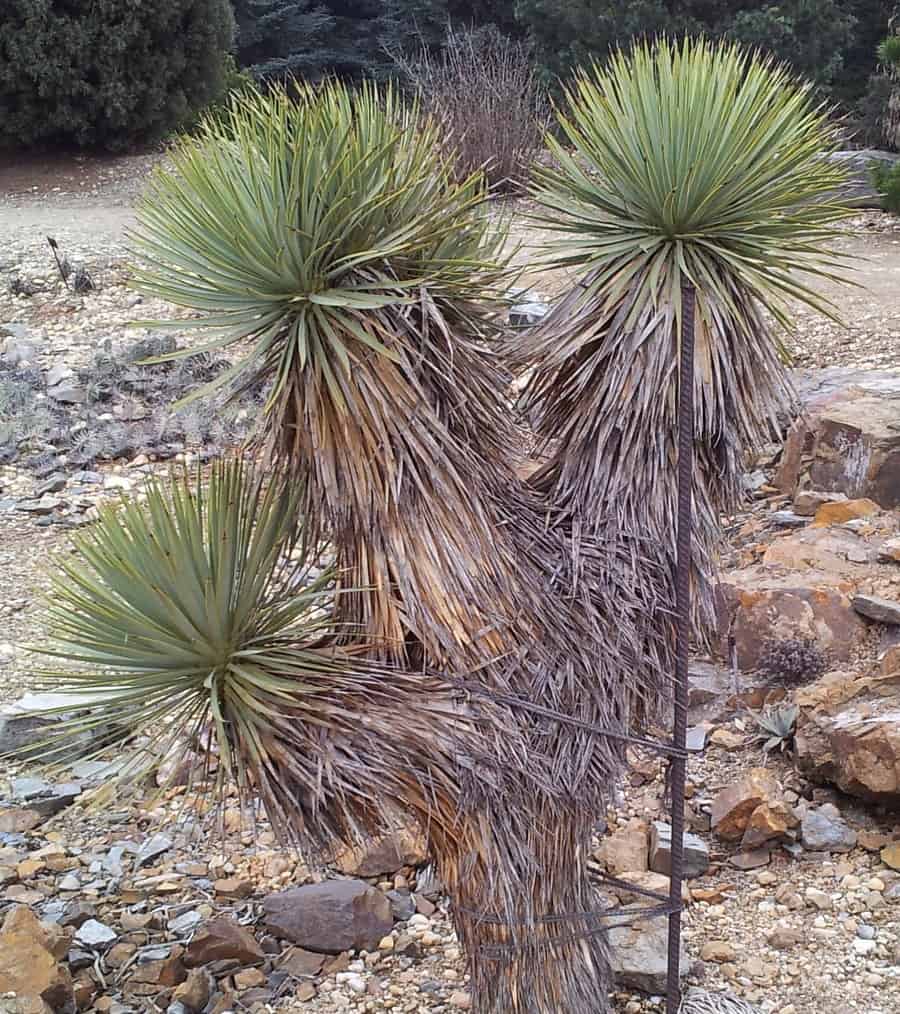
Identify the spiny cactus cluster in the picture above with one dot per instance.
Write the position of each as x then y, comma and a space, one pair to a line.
792, 661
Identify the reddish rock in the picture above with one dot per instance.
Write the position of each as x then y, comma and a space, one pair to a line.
196, 989
839, 512
760, 604
223, 939
15, 820
848, 734
734, 806
334, 916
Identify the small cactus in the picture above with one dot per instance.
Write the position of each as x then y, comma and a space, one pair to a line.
792, 661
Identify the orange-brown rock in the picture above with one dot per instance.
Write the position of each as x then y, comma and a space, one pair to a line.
848, 734
733, 807
27, 965
771, 603
839, 512
222, 939
846, 440
770, 821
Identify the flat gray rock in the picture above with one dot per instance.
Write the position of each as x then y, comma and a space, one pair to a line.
879, 609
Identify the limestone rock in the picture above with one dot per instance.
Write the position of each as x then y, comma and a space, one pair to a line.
391, 852
639, 955
648, 881
696, 851
334, 916
733, 807
846, 440
27, 964
223, 939
848, 734
626, 850
890, 856
879, 609
825, 830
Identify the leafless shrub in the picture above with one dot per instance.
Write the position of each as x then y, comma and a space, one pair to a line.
485, 91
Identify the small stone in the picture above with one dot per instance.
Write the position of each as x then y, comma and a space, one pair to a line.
890, 551
735, 804
879, 609
185, 923
460, 1000
248, 978
298, 962
751, 860
808, 501
331, 917
718, 951
839, 512
783, 938
819, 899
305, 991
627, 850
223, 939
77, 913
825, 830
866, 932
152, 848
696, 851
195, 991
70, 883
890, 856
233, 887
696, 739
95, 934
18, 821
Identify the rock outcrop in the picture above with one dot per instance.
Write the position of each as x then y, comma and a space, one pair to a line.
848, 734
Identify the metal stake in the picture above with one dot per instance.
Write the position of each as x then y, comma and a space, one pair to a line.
683, 635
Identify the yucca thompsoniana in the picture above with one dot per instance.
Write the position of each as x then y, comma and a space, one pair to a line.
683, 164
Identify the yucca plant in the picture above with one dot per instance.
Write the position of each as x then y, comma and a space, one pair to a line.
204, 612
683, 166
325, 233
328, 235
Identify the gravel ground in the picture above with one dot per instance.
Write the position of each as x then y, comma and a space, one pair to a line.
85, 206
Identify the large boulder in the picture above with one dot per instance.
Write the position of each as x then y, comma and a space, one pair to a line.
848, 734
846, 439
860, 190
765, 603
334, 916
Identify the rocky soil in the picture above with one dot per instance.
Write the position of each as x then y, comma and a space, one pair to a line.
147, 904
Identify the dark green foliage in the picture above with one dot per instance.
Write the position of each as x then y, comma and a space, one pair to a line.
828, 41
111, 73
887, 182
276, 38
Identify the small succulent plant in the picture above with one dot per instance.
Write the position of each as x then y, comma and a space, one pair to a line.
792, 661
776, 726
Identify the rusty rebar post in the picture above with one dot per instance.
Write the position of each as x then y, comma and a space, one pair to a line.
683, 636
